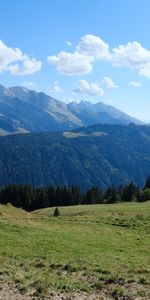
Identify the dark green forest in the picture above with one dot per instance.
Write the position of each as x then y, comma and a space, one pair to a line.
31, 198
99, 155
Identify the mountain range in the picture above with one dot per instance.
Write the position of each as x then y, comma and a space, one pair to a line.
23, 110
101, 155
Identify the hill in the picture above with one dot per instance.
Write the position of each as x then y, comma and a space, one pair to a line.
23, 110
97, 155
54, 258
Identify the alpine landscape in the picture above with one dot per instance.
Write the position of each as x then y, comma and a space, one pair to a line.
74, 150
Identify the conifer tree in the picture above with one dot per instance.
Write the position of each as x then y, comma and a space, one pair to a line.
56, 212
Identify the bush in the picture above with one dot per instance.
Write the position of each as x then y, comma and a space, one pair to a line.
56, 212
145, 195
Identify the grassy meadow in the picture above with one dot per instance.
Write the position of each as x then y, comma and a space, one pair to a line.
91, 248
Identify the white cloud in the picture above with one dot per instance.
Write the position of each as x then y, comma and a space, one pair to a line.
56, 88
134, 84
17, 63
145, 70
68, 43
109, 83
91, 89
9, 55
69, 100
29, 66
89, 49
94, 46
29, 85
133, 56
71, 63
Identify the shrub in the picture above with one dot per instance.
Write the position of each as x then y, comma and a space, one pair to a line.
145, 195
56, 212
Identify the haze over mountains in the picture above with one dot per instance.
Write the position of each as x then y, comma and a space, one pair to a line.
23, 110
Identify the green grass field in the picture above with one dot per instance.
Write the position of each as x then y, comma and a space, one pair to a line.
89, 248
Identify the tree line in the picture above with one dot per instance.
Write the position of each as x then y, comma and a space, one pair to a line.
32, 198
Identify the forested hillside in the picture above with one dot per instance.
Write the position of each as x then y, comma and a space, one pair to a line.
99, 155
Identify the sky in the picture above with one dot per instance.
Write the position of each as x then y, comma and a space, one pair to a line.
93, 50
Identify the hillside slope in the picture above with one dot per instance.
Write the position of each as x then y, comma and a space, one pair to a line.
97, 155
89, 252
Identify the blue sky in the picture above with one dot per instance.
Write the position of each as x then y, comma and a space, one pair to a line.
92, 50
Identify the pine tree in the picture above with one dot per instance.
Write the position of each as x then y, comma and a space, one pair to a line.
147, 183
56, 212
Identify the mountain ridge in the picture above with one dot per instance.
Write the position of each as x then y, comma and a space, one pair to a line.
24, 110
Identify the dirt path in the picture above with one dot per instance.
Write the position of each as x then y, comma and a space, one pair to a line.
8, 292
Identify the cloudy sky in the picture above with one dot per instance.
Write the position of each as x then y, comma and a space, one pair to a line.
92, 50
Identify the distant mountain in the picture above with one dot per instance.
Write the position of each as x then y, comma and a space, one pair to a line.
97, 155
101, 113
23, 110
